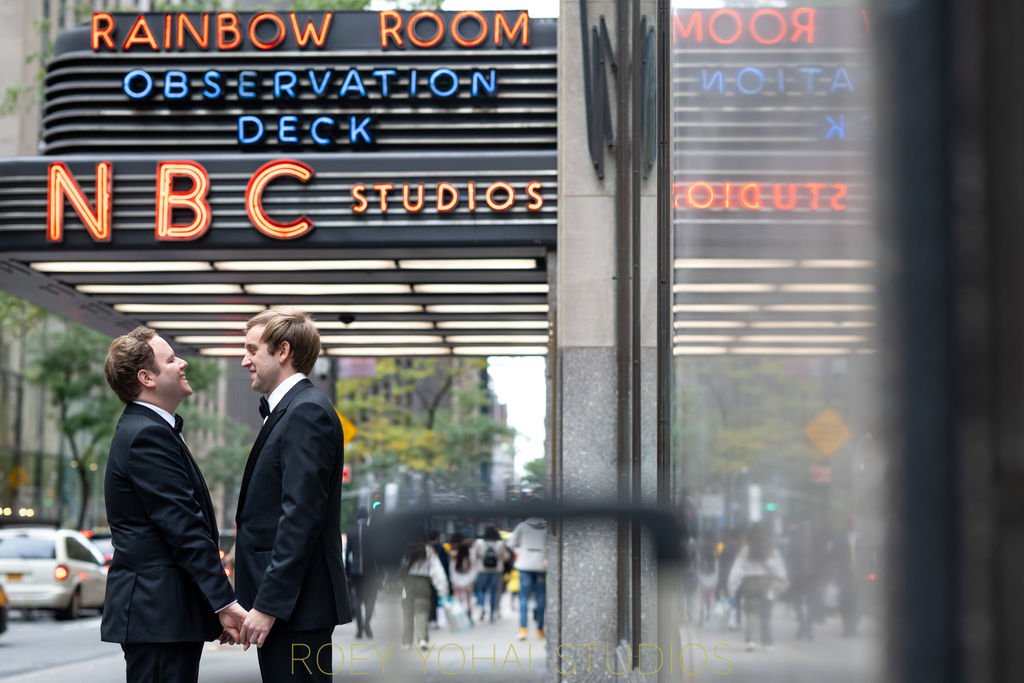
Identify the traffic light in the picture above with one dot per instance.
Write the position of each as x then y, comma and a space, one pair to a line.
376, 501
770, 507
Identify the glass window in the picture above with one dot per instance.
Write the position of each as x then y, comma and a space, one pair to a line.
27, 548
77, 551
775, 380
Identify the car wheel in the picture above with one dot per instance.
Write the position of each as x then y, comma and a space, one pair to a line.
74, 608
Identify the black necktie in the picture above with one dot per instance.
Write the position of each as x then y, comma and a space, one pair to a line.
264, 407
178, 423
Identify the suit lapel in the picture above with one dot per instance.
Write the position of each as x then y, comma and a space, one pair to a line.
205, 501
261, 439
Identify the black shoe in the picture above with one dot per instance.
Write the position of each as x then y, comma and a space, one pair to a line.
359, 635
369, 631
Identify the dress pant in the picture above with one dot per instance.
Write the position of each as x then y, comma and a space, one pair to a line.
288, 656
162, 662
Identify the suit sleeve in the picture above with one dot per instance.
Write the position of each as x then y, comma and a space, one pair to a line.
310, 464
164, 486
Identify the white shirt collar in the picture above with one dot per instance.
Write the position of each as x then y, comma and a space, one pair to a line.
283, 388
159, 411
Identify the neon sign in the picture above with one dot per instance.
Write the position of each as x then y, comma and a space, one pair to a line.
333, 87
756, 196
270, 30
172, 200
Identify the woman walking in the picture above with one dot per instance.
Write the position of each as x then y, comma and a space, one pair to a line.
464, 574
422, 570
757, 575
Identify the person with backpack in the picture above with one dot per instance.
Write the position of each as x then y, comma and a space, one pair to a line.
530, 543
490, 554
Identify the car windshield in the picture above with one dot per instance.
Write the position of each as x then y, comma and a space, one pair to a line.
27, 548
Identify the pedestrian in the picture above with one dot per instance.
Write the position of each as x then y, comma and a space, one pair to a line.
758, 575
726, 558
289, 567
434, 539
464, 573
166, 588
691, 556
362, 574
803, 568
707, 577
529, 540
421, 572
490, 555
848, 559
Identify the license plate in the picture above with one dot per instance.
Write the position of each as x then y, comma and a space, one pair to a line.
14, 578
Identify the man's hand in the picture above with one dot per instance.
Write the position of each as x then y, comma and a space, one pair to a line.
231, 618
255, 628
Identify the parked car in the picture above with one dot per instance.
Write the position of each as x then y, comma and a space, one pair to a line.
54, 569
103, 541
3, 609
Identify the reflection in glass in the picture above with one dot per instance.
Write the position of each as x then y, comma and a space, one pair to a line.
775, 396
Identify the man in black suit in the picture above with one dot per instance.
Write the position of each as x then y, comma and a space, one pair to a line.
288, 561
166, 590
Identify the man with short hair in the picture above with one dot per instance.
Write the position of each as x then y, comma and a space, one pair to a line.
166, 589
288, 560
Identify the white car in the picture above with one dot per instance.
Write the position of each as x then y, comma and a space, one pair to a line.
55, 569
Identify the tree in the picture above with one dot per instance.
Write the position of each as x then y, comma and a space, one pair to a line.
534, 476
425, 418
71, 370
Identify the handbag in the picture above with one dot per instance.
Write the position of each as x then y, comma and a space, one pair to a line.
458, 617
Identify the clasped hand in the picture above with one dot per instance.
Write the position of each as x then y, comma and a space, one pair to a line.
231, 619
244, 628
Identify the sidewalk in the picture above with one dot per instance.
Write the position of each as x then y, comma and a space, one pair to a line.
710, 655
483, 651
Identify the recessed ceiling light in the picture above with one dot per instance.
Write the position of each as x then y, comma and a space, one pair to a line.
197, 324
189, 308
493, 325
500, 350
722, 288
120, 266
372, 264
497, 339
470, 288
733, 263
368, 339
468, 264
219, 351
285, 289
699, 350
487, 308
160, 289
370, 351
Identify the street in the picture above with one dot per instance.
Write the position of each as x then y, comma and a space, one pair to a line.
45, 651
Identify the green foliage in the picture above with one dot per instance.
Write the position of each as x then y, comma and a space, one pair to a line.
71, 370
21, 96
425, 415
18, 314
534, 473
738, 413
225, 463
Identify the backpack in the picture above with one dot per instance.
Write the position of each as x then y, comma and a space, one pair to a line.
490, 557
